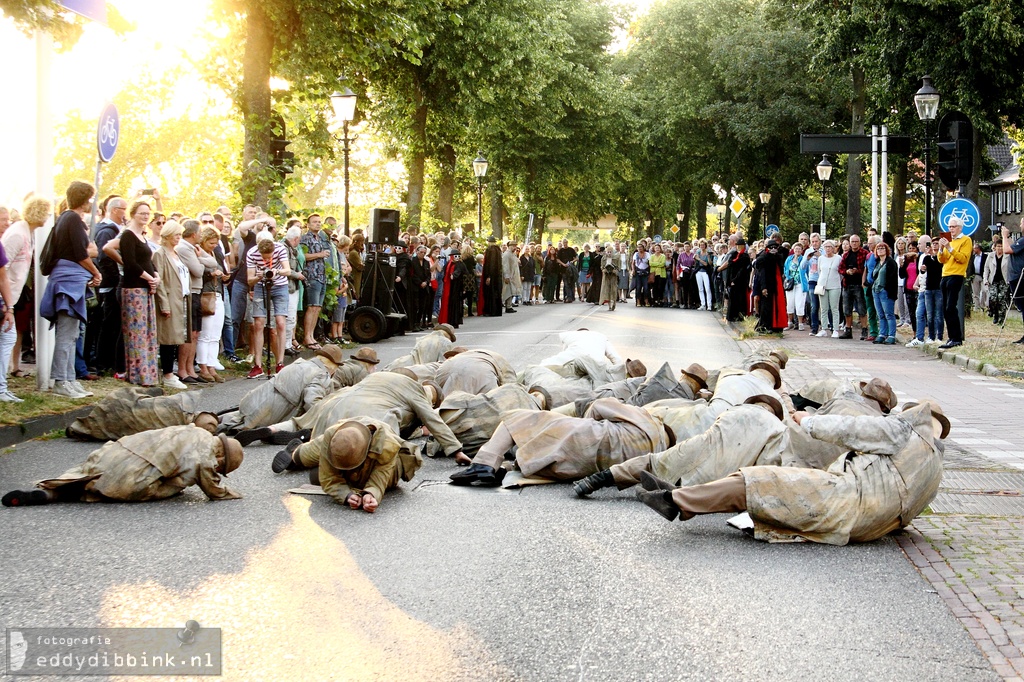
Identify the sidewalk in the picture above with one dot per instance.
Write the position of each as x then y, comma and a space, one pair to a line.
969, 544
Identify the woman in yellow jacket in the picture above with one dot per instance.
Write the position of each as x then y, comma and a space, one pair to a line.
658, 269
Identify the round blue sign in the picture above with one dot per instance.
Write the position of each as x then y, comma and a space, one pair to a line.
107, 133
771, 230
657, 239
964, 209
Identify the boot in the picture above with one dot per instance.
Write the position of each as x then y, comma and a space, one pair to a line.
593, 483
250, 436
661, 502
285, 460
479, 474
651, 482
286, 437
26, 498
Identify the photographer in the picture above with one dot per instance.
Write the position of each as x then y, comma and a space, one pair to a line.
1015, 250
267, 266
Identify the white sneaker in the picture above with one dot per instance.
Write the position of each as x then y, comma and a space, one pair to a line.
914, 343
822, 334
800, 327
175, 383
66, 389
81, 389
217, 366
931, 341
835, 335
8, 397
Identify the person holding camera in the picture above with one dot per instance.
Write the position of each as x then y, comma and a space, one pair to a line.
953, 253
1015, 250
267, 269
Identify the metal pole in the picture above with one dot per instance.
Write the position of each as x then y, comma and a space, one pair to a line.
928, 178
885, 180
92, 218
44, 188
874, 177
346, 150
822, 224
480, 207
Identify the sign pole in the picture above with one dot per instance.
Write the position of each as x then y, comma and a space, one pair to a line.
92, 218
44, 188
874, 178
885, 179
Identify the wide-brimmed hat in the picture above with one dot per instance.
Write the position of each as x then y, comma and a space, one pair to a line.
781, 356
207, 421
454, 351
332, 352
349, 445
771, 369
881, 392
697, 373
438, 393
233, 453
936, 411
543, 394
405, 372
365, 354
447, 329
635, 368
770, 401
492, 240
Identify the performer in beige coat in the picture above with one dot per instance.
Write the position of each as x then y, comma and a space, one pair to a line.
564, 448
134, 409
474, 418
891, 472
152, 465
355, 461
512, 279
429, 348
474, 371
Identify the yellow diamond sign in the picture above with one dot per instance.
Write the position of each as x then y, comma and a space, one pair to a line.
737, 206
674, 229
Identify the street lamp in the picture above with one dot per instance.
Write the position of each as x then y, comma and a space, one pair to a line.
765, 197
824, 169
344, 105
480, 170
926, 100
679, 224
720, 210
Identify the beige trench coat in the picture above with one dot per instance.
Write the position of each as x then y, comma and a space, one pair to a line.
810, 453
170, 330
891, 474
512, 282
473, 418
152, 465
430, 348
134, 409
289, 393
475, 371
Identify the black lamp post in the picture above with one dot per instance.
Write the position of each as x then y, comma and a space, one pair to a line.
926, 100
679, 224
344, 104
824, 169
480, 170
765, 197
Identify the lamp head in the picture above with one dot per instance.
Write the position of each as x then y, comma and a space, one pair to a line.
824, 168
926, 100
479, 165
344, 105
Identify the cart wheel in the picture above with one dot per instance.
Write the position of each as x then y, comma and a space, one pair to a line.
367, 325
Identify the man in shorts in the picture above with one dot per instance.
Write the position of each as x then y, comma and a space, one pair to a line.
267, 265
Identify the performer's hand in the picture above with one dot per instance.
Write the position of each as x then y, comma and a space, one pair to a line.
165, 313
369, 503
354, 500
798, 416
764, 292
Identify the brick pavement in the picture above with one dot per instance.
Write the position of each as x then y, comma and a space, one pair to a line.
973, 561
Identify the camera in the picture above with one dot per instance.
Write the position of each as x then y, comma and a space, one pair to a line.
268, 275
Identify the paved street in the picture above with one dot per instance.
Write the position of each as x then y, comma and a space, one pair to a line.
450, 583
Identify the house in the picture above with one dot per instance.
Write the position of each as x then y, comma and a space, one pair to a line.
1003, 191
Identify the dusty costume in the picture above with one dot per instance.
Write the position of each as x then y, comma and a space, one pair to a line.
512, 284
491, 281
134, 409
473, 418
558, 390
475, 371
394, 399
565, 448
610, 266
584, 343
152, 465
662, 385
429, 348
891, 472
291, 392
371, 465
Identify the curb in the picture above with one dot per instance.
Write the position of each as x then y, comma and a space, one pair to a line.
39, 426
971, 364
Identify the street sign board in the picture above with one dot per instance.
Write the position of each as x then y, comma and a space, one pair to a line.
90, 9
674, 229
960, 208
850, 144
657, 239
771, 230
107, 133
737, 206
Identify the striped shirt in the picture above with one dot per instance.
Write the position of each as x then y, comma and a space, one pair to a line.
255, 262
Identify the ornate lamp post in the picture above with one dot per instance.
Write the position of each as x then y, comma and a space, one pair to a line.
926, 100
765, 197
480, 170
344, 105
679, 224
824, 169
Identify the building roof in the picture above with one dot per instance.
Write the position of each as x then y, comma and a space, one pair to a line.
1002, 154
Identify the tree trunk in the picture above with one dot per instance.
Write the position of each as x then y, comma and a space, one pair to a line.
685, 206
446, 185
755, 229
898, 210
415, 165
702, 218
257, 175
971, 190
853, 164
497, 207
539, 225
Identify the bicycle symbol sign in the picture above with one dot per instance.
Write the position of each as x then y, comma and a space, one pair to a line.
107, 133
965, 209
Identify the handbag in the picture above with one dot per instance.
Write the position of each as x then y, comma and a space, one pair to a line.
819, 290
788, 284
650, 278
208, 303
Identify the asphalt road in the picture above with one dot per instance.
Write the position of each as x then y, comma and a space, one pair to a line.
452, 583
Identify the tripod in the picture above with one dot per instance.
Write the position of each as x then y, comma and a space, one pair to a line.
268, 278
1012, 299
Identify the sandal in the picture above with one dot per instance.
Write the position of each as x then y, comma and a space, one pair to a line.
20, 374
314, 346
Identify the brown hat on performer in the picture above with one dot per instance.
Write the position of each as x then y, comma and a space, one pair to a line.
405, 372
769, 401
207, 421
937, 414
233, 454
447, 329
367, 355
454, 351
332, 352
697, 374
770, 369
635, 368
781, 356
881, 392
435, 394
349, 445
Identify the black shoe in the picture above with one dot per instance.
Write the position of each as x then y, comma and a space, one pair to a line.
291, 352
1020, 340
250, 436
660, 501
651, 482
593, 483
479, 474
511, 310
950, 344
25, 498
285, 437
283, 459
233, 358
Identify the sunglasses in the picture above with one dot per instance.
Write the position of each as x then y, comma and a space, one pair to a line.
160, 223
207, 222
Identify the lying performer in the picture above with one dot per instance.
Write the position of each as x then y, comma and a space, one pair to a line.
474, 371
429, 348
152, 465
134, 409
355, 461
891, 473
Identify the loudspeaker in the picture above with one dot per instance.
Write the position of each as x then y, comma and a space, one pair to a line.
383, 226
378, 281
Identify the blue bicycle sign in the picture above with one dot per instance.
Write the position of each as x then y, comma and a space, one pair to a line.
965, 209
107, 133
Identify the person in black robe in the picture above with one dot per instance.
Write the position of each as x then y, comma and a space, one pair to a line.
455, 276
596, 275
738, 282
402, 281
771, 314
492, 281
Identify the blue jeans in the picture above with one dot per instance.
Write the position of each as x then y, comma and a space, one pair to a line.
815, 307
239, 299
227, 336
929, 314
886, 308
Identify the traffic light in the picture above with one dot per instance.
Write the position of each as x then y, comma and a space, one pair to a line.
956, 150
282, 160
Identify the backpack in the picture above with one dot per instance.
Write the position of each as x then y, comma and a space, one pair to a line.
47, 260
